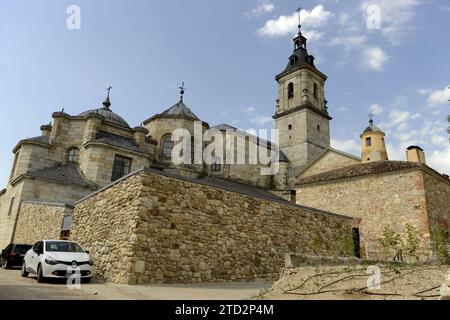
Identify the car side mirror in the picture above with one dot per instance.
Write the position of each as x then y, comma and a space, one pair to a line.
87, 251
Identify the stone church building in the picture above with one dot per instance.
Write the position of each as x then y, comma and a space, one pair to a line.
115, 189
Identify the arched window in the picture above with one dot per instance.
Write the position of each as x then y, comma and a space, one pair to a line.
290, 90
167, 146
73, 155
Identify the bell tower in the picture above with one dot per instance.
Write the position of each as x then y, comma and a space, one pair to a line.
301, 113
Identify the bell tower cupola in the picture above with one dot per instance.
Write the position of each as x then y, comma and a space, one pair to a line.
301, 115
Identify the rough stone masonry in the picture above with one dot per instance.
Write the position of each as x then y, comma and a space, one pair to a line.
151, 227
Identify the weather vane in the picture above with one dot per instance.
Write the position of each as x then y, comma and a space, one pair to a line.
109, 89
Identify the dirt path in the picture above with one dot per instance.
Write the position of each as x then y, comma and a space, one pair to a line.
13, 286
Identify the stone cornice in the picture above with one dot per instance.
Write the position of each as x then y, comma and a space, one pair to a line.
25, 141
159, 116
304, 66
304, 106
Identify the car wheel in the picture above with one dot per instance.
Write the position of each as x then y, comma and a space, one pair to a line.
86, 280
24, 273
40, 276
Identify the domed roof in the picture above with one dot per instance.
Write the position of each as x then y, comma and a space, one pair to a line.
372, 128
109, 116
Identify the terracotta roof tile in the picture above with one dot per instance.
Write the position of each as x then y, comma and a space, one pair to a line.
360, 170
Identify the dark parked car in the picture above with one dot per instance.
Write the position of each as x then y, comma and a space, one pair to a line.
13, 255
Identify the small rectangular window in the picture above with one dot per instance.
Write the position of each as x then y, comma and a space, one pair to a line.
290, 127
121, 167
11, 205
368, 142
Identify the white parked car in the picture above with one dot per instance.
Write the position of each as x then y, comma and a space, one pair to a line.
57, 259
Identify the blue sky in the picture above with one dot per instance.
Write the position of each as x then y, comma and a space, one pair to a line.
228, 53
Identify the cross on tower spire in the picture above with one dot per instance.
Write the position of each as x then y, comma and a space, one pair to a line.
107, 102
371, 118
182, 91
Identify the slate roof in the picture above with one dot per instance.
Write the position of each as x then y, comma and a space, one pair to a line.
64, 173
360, 170
177, 110
180, 109
372, 128
109, 116
116, 141
224, 127
40, 139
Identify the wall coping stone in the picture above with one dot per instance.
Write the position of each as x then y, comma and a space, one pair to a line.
45, 203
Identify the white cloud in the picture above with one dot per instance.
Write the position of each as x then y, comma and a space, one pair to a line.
348, 42
342, 109
425, 91
439, 140
396, 152
403, 126
397, 117
261, 120
375, 58
376, 109
406, 136
263, 8
432, 128
440, 159
439, 97
284, 25
349, 146
248, 109
396, 18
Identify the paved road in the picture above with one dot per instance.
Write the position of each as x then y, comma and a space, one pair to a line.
13, 286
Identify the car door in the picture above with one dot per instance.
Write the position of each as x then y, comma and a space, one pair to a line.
33, 259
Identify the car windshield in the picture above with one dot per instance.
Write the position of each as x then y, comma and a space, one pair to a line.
21, 248
57, 246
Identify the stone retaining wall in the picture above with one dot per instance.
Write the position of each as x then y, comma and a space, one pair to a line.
39, 220
152, 228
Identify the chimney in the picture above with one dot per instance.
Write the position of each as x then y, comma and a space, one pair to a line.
415, 154
46, 130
